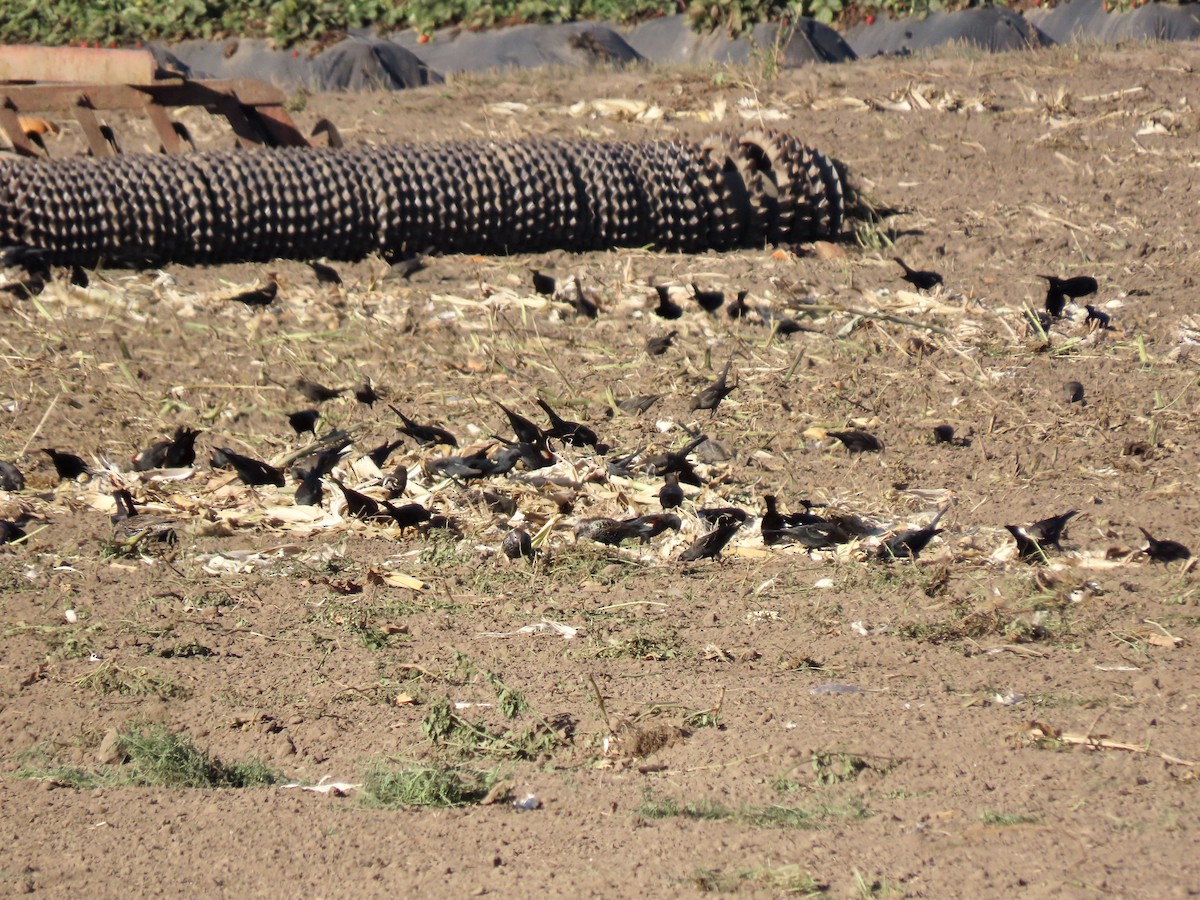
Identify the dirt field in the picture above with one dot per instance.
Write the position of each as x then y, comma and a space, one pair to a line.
775, 721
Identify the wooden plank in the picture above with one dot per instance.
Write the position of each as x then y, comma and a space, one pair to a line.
77, 64
11, 123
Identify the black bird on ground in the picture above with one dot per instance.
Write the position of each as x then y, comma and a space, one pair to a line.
1059, 290
253, 472
716, 516
710, 398
657, 346
424, 434
709, 546
1164, 551
1049, 530
407, 267
79, 276
517, 544
635, 406
67, 465
380, 454
395, 482
1101, 321
11, 478
710, 301
410, 515
583, 302
525, 430
33, 260
358, 504
858, 441
667, 308
738, 308
677, 461
615, 531
366, 394
304, 421
310, 491
262, 296
909, 543
177, 453
1028, 548
12, 531
325, 274
543, 284
921, 280
670, 495
943, 434
461, 468
24, 290
776, 527
316, 392
130, 527
574, 433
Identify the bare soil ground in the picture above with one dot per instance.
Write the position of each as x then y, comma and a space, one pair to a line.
1001, 728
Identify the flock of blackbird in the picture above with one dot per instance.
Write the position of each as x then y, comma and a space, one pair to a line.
532, 446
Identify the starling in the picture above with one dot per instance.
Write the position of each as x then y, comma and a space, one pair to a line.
462, 468
710, 301
710, 398
573, 433
646, 527
11, 478
259, 296
1073, 392
635, 406
738, 309
304, 420
424, 434
1164, 551
670, 495
253, 472
922, 281
667, 308
517, 544
365, 393
316, 392
325, 274
1100, 321
710, 545
67, 465
358, 504
657, 346
408, 516
858, 441
79, 277
525, 430
543, 284
908, 544
131, 528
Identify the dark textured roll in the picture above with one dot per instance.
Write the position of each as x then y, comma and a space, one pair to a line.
478, 197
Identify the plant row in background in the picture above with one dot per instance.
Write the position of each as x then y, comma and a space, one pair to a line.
287, 22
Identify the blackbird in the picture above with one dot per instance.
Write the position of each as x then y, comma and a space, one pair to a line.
1073, 392
395, 482
573, 433
517, 544
710, 301
67, 465
304, 420
10, 532
177, 453
325, 274
310, 491
738, 308
804, 528
424, 434
24, 290
525, 430
716, 516
908, 544
657, 346
710, 398
358, 504
316, 392
462, 468
1101, 321
11, 478
79, 276
381, 453
858, 441
1028, 548
943, 434
366, 394
1049, 530
670, 495
635, 406
922, 281
1162, 550
408, 516
405, 268
584, 301
259, 296
613, 531
667, 308
33, 260
709, 546
1059, 290
253, 472
543, 284
677, 461
646, 527
130, 527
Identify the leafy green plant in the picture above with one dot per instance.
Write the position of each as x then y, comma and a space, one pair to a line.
419, 785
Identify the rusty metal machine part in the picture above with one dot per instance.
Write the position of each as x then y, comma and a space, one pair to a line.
480, 197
